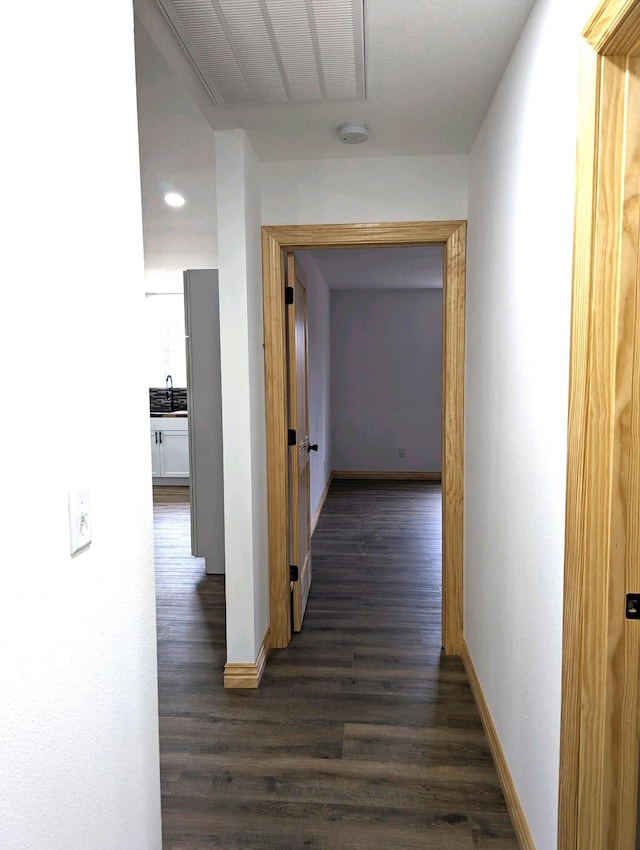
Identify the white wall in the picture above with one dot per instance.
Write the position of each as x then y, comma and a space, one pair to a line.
386, 366
243, 396
522, 178
164, 339
328, 191
404, 188
319, 375
176, 153
78, 714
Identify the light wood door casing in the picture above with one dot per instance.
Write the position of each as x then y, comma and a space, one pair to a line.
276, 240
299, 466
600, 736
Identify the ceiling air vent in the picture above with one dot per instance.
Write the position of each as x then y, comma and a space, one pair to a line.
273, 51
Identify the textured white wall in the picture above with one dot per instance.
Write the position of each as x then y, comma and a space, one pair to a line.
522, 178
243, 399
78, 713
319, 375
386, 365
328, 191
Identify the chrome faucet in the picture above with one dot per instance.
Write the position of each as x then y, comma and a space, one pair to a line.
168, 384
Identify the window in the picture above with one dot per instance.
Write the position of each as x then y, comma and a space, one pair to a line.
166, 339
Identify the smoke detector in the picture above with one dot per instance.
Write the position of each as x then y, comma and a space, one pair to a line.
353, 134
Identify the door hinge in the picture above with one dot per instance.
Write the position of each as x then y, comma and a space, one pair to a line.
288, 295
293, 572
632, 606
292, 437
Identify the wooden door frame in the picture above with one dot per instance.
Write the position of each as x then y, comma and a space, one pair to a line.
276, 240
600, 718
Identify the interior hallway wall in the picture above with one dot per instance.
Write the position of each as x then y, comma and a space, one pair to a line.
360, 189
243, 396
342, 190
520, 234
353, 189
386, 379
79, 761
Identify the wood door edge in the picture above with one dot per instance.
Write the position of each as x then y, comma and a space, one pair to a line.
585, 796
274, 320
453, 354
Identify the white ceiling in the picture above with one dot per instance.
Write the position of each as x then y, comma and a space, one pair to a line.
273, 51
176, 153
431, 69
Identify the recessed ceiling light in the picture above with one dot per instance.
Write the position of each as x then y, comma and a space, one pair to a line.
174, 199
353, 134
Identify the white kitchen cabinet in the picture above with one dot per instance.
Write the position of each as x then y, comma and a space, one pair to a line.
155, 453
169, 447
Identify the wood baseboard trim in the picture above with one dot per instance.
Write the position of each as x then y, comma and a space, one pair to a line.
237, 675
323, 499
516, 811
391, 476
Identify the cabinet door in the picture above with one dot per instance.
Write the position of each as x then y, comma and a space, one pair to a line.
175, 454
156, 465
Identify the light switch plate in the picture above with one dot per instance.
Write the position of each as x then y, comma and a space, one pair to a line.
79, 519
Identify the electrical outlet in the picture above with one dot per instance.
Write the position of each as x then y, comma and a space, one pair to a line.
400, 452
79, 520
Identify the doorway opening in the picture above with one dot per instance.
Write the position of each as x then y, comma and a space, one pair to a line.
275, 242
373, 331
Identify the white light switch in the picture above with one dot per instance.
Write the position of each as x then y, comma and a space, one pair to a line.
79, 519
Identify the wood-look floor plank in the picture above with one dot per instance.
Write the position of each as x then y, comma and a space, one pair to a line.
362, 734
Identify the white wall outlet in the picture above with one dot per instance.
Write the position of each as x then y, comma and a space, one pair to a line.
79, 519
400, 452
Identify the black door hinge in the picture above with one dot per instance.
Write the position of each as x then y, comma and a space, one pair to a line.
288, 295
292, 437
293, 572
632, 606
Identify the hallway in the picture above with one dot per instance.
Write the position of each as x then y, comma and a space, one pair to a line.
361, 735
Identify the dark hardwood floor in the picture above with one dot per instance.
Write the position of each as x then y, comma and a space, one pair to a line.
362, 736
